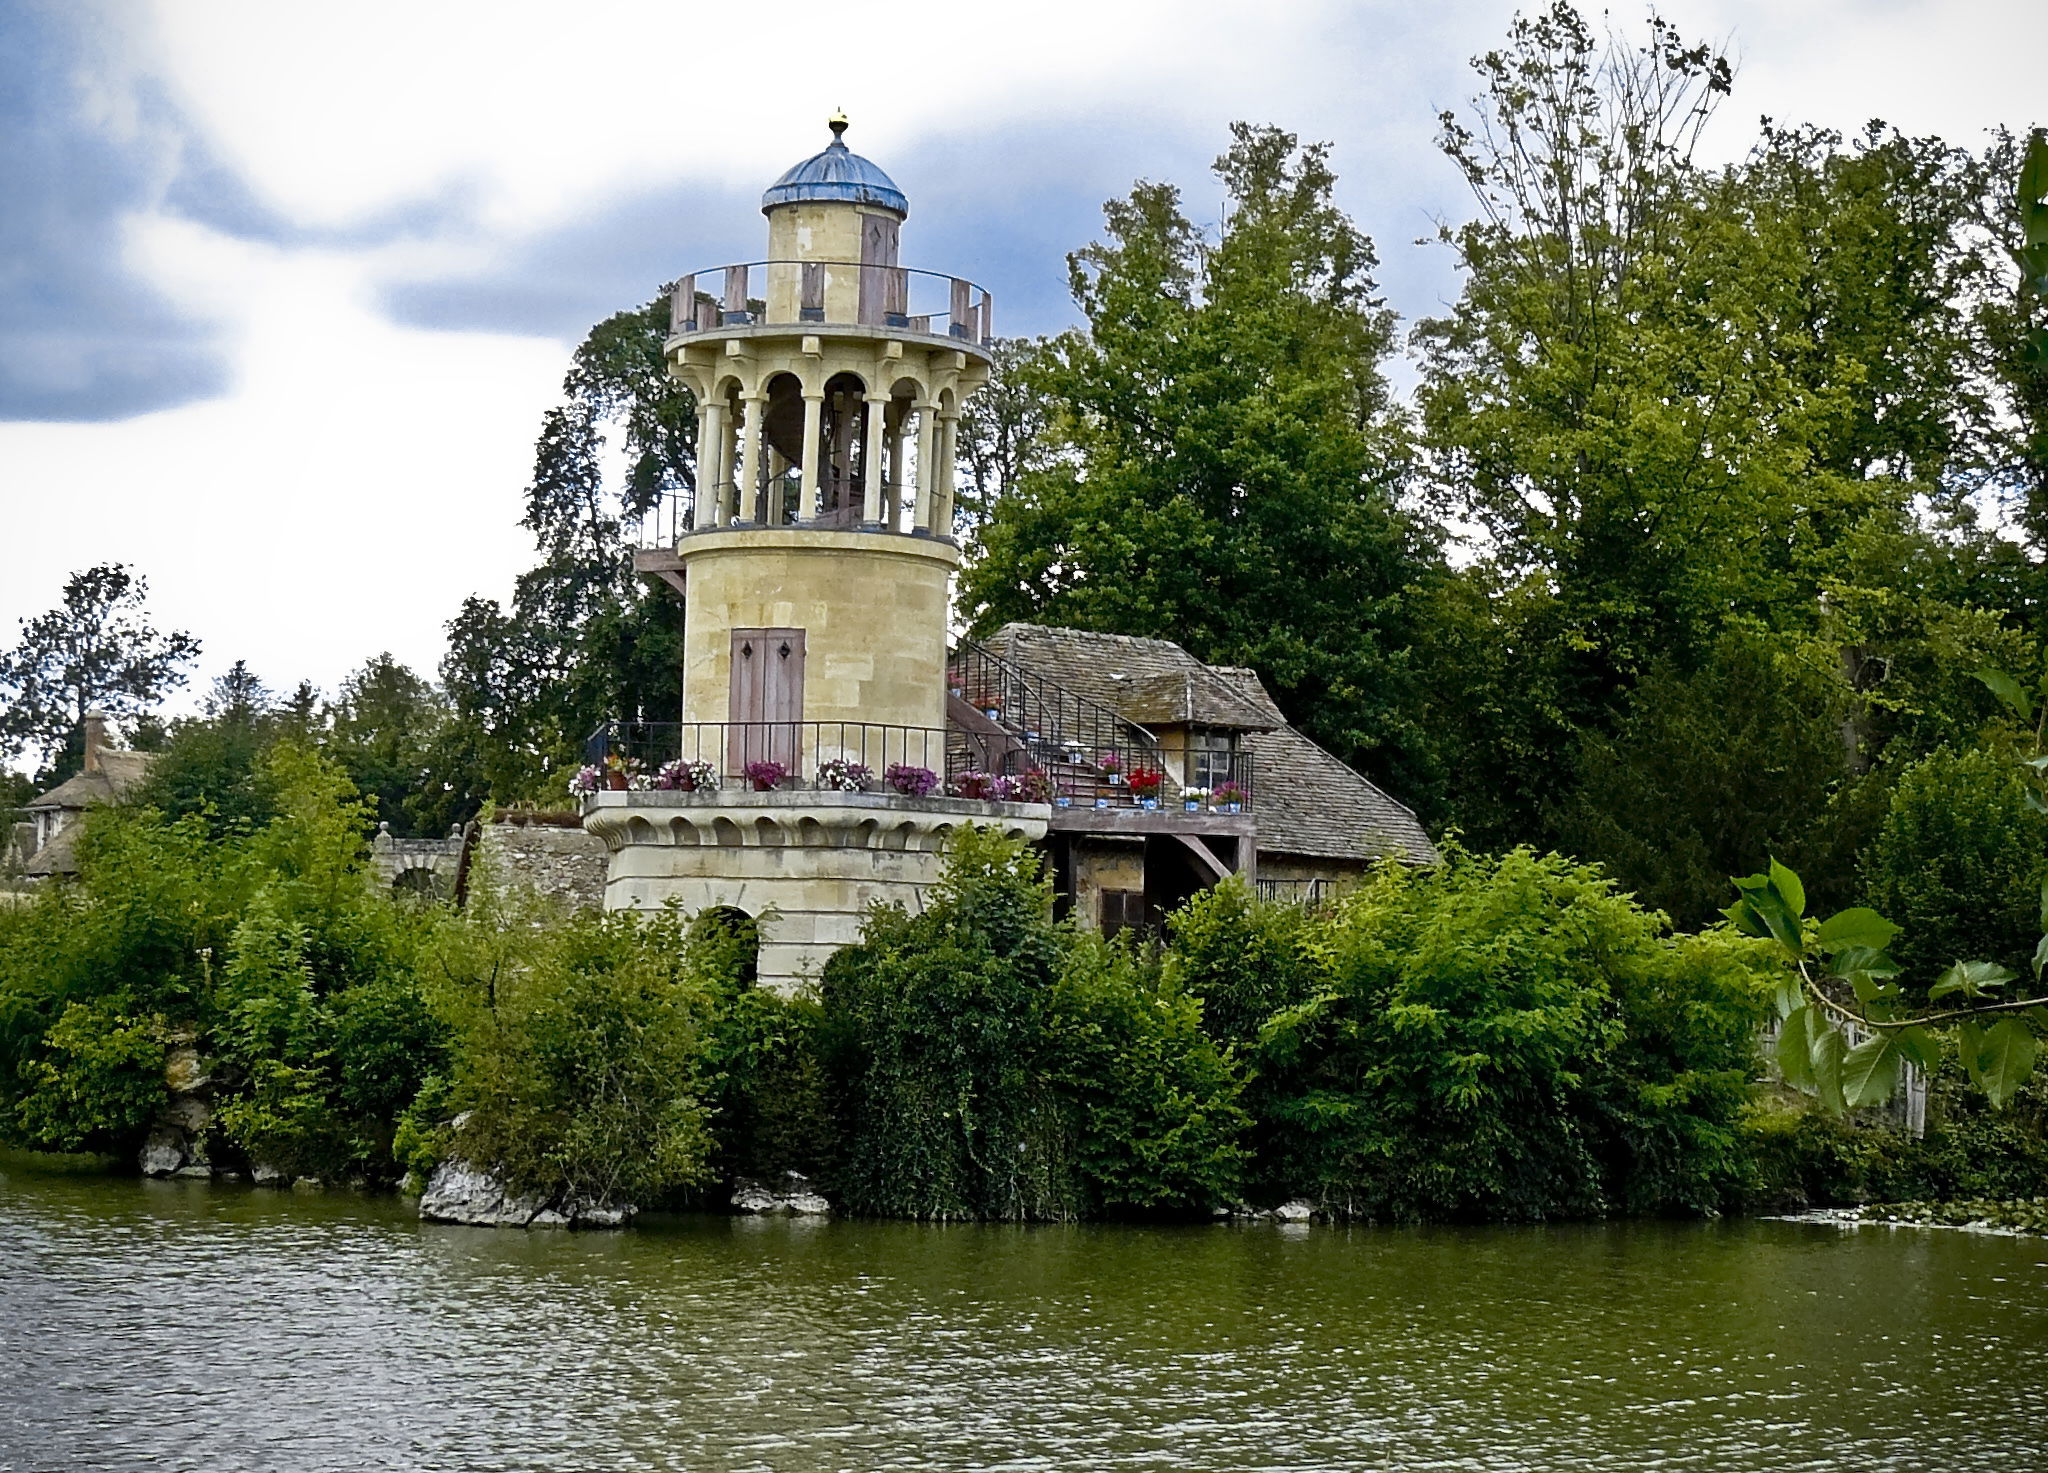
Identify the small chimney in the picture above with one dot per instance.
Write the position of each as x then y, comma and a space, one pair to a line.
95, 739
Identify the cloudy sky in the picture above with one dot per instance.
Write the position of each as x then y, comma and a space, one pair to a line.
284, 288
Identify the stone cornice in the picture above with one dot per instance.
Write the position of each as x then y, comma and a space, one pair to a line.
738, 818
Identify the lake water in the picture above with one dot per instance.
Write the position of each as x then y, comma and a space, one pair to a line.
176, 1325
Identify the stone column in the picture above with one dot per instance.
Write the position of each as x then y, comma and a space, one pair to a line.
893, 517
748, 490
842, 448
942, 505
927, 484
778, 467
871, 501
711, 477
808, 505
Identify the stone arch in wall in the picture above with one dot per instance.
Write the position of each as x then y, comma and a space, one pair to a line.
728, 924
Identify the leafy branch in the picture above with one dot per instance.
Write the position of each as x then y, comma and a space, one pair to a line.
1847, 1025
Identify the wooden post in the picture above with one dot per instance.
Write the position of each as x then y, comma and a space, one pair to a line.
682, 306
962, 309
735, 295
814, 422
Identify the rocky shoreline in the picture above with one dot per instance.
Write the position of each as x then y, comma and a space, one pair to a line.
2024, 1217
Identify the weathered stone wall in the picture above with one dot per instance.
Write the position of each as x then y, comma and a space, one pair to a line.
556, 860
1104, 864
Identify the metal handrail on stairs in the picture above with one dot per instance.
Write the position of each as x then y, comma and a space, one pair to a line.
1044, 725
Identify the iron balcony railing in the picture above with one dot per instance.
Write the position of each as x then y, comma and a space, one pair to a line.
673, 514
864, 755
847, 293
1296, 892
729, 748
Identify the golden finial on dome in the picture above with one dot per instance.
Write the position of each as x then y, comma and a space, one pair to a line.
838, 124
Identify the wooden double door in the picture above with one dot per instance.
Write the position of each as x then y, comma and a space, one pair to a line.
766, 700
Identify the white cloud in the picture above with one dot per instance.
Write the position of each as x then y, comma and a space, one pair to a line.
354, 485
337, 113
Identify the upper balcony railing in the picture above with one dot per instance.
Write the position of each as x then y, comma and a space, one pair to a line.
844, 293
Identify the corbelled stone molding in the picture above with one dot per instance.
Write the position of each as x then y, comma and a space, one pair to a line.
738, 818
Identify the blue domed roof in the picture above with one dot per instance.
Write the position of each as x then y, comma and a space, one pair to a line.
836, 174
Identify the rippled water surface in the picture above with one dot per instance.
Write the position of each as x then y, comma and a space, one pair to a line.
173, 1325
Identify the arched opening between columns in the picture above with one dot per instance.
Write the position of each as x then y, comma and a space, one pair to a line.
843, 451
782, 430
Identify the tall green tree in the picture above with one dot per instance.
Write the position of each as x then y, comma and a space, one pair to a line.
1223, 464
1678, 400
387, 730
583, 640
97, 650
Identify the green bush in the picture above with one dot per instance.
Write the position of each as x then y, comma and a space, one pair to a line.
1242, 959
1801, 1156
988, 1062
96, 1082
767, 1085
933, 1031
1507, 1038
1798, 1155
577, 1059
1158, 1126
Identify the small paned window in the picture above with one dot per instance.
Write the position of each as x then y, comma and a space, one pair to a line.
1122, 910
1212, 758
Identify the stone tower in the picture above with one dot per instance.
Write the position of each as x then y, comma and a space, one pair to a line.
815, 559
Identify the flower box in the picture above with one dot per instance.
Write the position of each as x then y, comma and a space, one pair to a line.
840, 775
910, 782
687, 777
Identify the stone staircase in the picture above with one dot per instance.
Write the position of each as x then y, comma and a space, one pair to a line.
1006, 720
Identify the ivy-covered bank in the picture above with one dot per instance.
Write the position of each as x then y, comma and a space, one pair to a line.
1498, 1038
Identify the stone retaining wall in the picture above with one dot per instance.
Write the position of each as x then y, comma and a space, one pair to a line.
557, 860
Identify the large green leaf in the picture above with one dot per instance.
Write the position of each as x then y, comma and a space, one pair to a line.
1858, 926
2008, 1058
1763, 911
2008, 691
1830, 1048
1787, 884
1870, 1072
1972, 979
1920, 1047
1795, 1049
2033, 180
1970, 1049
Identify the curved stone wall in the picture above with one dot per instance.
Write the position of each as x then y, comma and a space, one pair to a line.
805, 865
